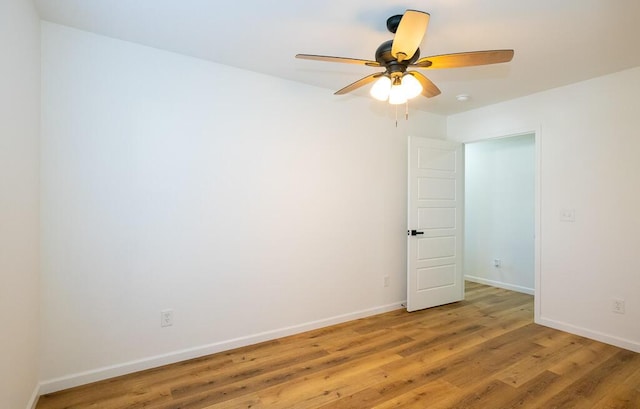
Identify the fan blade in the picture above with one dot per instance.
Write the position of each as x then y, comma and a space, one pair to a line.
409, 34
468, 59
338, 59
360, 83
429, 89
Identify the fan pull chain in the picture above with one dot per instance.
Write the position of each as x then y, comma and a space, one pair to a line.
396, 116
406, 112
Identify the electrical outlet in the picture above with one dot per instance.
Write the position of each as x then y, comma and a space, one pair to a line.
166, 318
386, 281
497, 262
618, 305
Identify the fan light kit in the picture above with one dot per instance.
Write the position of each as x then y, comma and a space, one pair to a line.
397, 90
396, 84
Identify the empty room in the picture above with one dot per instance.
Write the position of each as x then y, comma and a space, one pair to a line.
274, 204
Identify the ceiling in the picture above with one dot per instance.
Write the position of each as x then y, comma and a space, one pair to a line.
556, 42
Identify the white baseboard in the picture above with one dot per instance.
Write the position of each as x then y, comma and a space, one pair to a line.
500, 284
82, 378
34, 398
587, 333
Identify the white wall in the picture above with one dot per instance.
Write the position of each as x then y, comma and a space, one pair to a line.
251, 206
19, 154
499, 212
589, 162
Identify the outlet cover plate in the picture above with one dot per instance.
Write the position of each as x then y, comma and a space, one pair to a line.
618, 305
166, 318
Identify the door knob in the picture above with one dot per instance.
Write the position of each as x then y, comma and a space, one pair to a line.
414, 232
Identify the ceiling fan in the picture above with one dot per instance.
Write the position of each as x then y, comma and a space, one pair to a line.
396, 84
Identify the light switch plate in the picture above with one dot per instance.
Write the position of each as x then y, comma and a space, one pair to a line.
567, 215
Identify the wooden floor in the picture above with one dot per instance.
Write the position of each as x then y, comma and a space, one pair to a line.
484, 353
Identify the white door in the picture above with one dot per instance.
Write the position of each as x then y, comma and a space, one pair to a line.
434, 265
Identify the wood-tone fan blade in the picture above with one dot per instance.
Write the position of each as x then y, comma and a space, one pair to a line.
338, 59
467, 59
360, 83
409, 34
429, 89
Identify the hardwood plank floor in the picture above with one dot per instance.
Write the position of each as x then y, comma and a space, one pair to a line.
484, 352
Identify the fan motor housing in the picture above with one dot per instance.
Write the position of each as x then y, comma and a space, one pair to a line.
391, 63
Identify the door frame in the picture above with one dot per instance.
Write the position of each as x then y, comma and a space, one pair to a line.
537, 136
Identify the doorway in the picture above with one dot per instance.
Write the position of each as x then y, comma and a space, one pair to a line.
500, 212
